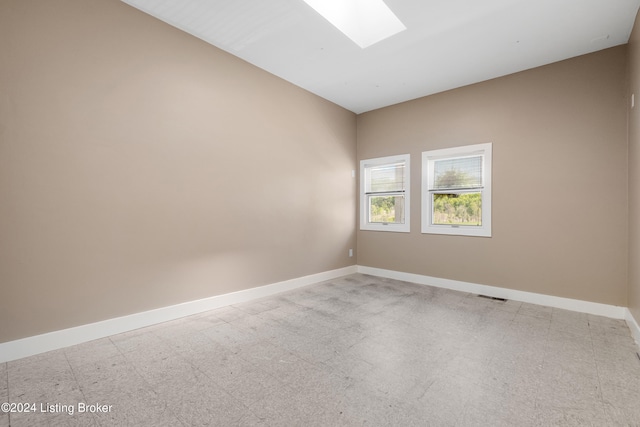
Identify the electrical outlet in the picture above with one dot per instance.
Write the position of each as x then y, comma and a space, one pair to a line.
350, 253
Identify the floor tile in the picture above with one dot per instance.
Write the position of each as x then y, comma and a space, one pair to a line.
230, 336
499, 408
41, 379
4, 383
138, 340
550, 415
105, 378
64, 419
445, 400
357, 350
4, 394
89, 352
204, 320
249, 386
534, 310
285, 408
621, 405
621, 416
561, 388
201, 402
164, 366
142, 407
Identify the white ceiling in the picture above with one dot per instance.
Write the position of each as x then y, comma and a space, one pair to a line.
447, 44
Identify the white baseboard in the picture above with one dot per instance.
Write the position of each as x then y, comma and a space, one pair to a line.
633, 326
605, 310
30, 346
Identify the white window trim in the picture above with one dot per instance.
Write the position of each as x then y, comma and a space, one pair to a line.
399, 228
428, 158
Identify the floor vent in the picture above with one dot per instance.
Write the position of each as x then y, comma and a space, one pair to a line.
493, 298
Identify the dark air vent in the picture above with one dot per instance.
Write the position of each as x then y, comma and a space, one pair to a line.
493, 298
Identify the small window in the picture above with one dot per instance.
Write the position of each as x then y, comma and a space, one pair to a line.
456, 191
384, 194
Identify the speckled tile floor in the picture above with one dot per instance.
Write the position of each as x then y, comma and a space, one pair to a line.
355, 351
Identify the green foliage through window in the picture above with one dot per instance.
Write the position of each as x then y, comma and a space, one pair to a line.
457, 209
387, 209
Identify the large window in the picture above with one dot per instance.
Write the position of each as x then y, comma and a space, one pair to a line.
456, 191
384, 194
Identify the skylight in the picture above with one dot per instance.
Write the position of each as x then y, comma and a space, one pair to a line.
366, 22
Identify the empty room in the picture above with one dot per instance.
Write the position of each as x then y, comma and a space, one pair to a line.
319, 213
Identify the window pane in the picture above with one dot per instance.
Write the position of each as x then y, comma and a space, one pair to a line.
386, 209
386, 178
457, 209
463, 172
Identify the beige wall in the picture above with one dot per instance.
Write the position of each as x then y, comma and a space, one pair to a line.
141, 167
559, 136
634, 172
